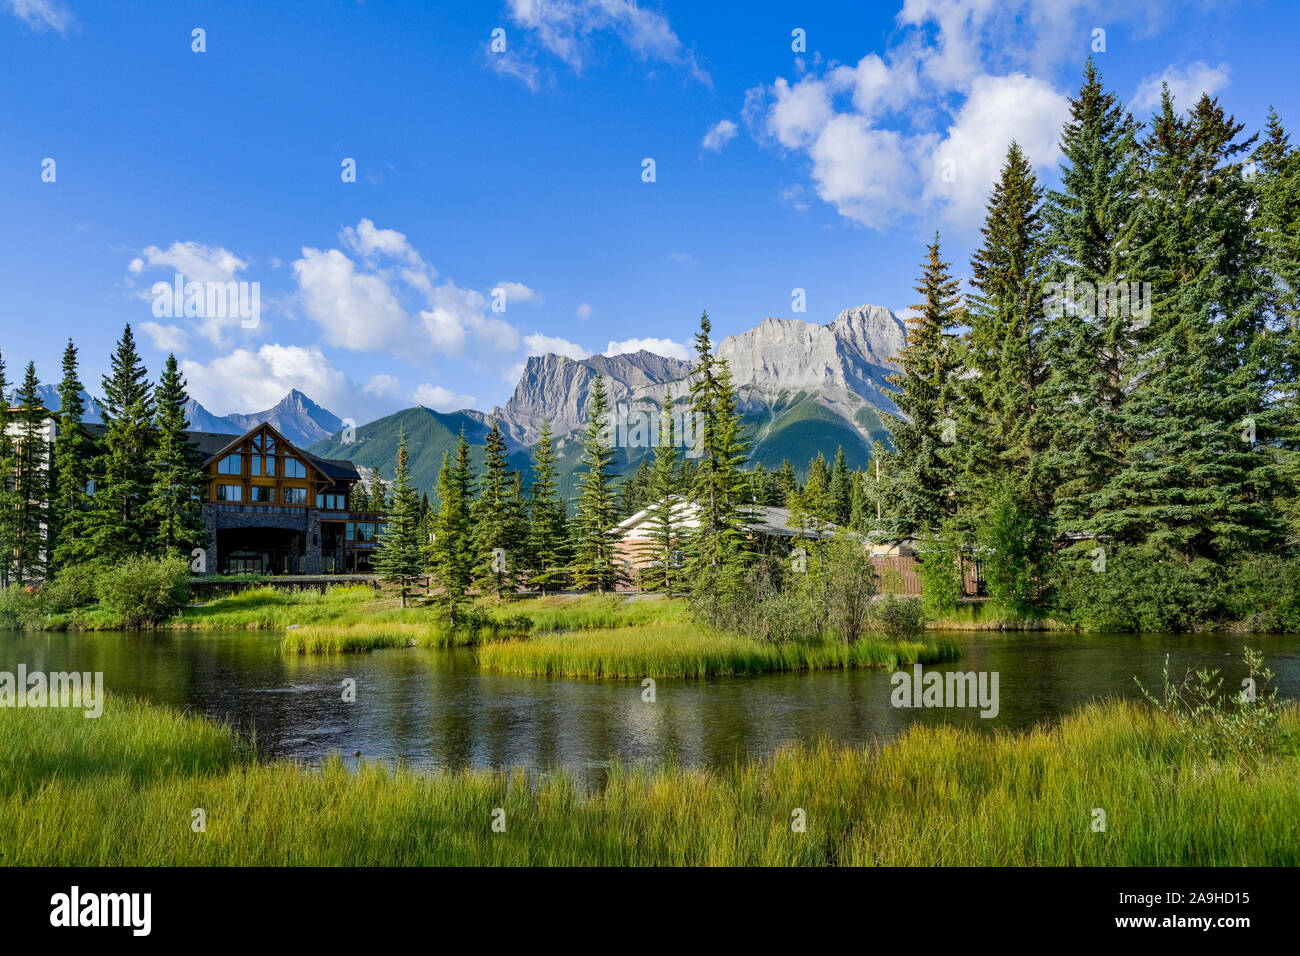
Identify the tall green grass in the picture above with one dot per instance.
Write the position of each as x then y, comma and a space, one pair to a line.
682, 650
120, 790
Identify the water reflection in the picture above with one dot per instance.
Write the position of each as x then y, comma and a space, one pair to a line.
436, 709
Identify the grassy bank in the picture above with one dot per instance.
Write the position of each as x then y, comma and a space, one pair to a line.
682, 650
120, 790
988, 615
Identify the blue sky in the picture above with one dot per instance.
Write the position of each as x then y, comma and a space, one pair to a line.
521, 170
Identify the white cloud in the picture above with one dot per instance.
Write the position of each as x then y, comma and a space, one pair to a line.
665, 347
719, 135
166, 338
41, 14
957, 79
458, 316
571, 29
355, 310
442, 399
198, 263
584, 311
539, 344
382, 386
517, 292
245, 380
1186, 85
681, 258
999, 109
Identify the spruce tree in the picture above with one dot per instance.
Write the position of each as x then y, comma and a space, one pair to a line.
174, 508
1189, 487
594, 534
666, 532
8, 465
495, 548
1089, 331
546, 518
118, 523
399, 556
922, 482
841, 489
69, 500
451, 555
31, 481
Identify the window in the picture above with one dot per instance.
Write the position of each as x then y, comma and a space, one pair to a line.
230, 465
331, 502
293, 468
263, 466
295, 496
262, 495
230, 493
350, 534
365, 531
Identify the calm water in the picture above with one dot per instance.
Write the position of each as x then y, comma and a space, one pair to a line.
436, 709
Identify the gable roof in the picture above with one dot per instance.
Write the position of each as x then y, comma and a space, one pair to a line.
767, 520
213, 444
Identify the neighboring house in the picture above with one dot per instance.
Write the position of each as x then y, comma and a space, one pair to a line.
272, 508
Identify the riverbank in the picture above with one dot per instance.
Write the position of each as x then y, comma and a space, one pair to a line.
688, 651
122, 790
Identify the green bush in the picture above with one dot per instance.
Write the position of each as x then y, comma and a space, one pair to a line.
1136, 590
899, 618
71, 588
1263, 594
21, 608
143, 591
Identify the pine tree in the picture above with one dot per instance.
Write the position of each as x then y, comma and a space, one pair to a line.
359, 501
717, 544
1000, 431
8, 467
922, 482
174, 507
378, 492
636, 490
399, 556
69, 500
546, 517
1087, 338
666, 532
31, 481
451, 550
787, 483
594, 534
118, 522
1189, 488
841, 489
495, 549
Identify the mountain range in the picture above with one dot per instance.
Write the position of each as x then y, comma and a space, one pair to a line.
802, 388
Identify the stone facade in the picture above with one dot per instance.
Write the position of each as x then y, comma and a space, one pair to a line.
306, 521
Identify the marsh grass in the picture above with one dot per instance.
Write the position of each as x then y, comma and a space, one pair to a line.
119, 791
683, 650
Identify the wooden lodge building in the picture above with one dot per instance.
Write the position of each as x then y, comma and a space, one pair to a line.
271, 508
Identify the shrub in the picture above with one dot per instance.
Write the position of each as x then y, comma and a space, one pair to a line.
142, 591
899, 618
71, 588
938, 567
1140, 591
1243, 724
21, 608
1263, 594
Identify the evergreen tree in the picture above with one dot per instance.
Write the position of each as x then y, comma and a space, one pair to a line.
495, 549
69, 500
546, 517
1087, 337
118, 523
175, 511
786, 482
378, 492
359, 500
1189, 487
841, 489
636, 490
399, 556
666, 532
922, 480
8, 466
594, 532
451, 550
31, 481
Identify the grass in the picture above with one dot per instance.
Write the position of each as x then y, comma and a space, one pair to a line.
120, 790
988, 615
683, 650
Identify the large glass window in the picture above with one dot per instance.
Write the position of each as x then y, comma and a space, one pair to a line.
293, 468
262, 494
295, 496
264, 466
230, 465
230, 493
331, 502
365, 531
